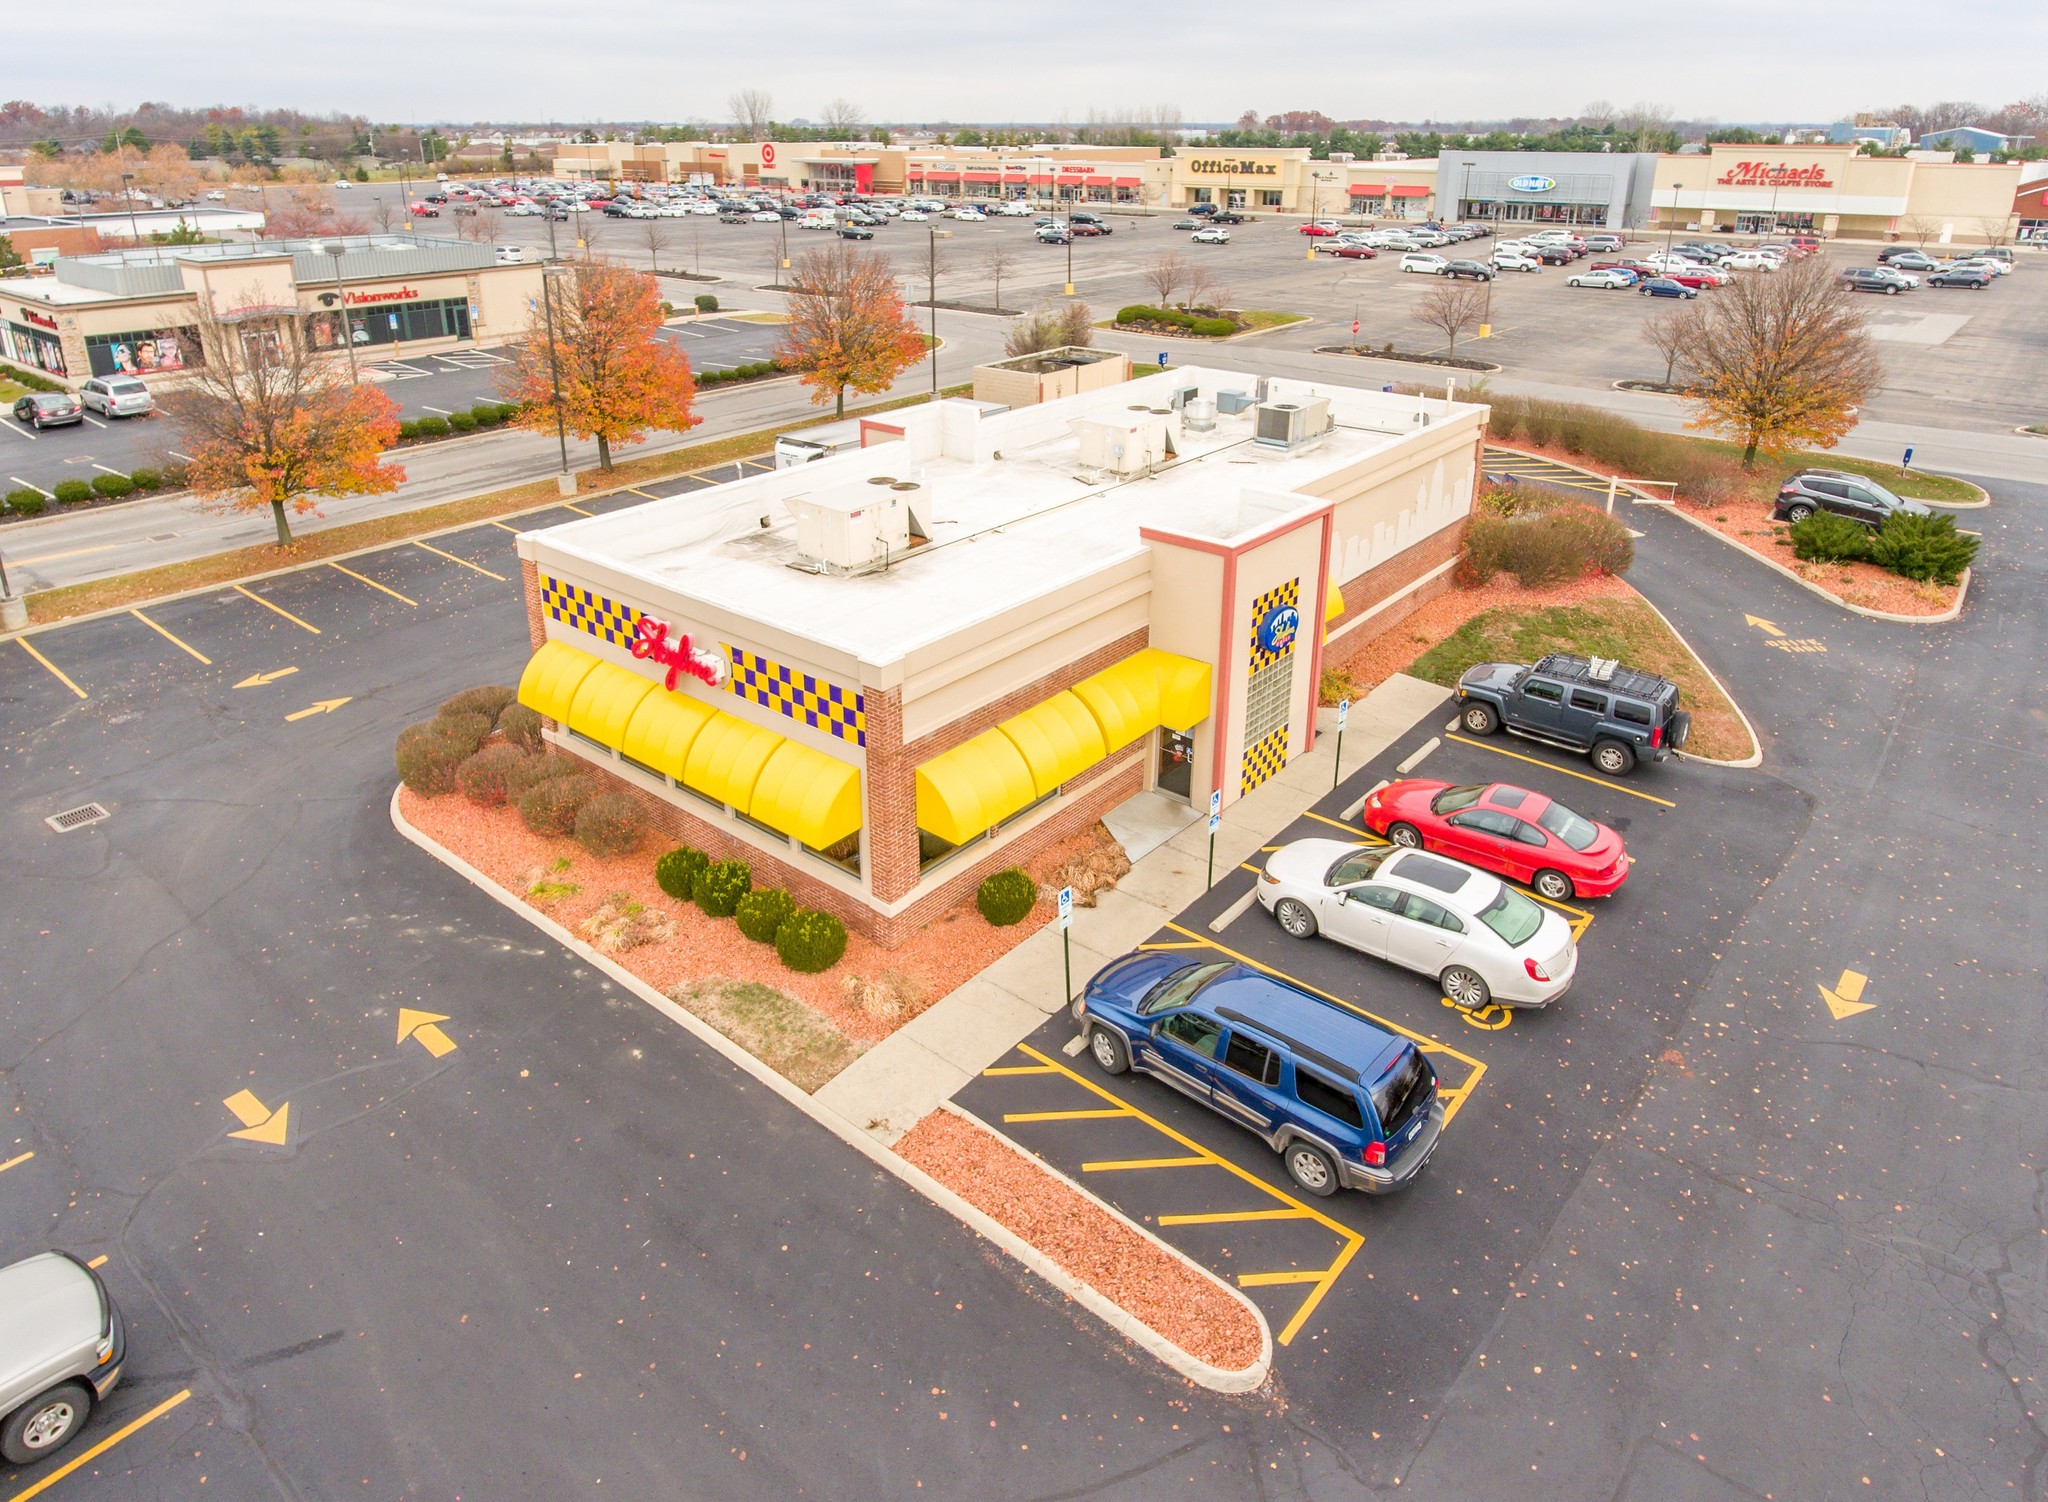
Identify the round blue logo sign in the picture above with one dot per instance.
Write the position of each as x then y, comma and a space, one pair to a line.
1532, 184
1277, 628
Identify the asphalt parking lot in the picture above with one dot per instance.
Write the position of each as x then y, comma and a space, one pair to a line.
1377, 1304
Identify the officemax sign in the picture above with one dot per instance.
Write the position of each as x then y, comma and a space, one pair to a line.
1219, 166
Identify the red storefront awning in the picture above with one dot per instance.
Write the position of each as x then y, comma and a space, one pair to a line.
917, 172
941, 174
1410, 190
1041, 177
1368, 190
1129, 182
983, 177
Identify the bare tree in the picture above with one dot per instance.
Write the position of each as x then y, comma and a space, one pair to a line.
996, 264
386, 213
1669, 336
1995, 231
1599, 114
1451, 308
753, 111
654, 234
923, 263
1056, 326
1166, 273
1922, 227
1205, 289
842, 117
485, 227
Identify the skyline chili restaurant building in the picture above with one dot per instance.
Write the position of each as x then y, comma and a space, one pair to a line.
883, 675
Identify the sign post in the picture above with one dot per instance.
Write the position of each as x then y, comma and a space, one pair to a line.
1215, 823
1907, 462
1337, 771
1162, 359
1067, 938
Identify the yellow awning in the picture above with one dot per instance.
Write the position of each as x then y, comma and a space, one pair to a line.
726, 758
1183, 689
604, 702
1057, 739
971, 788
1333, 604
662, 729
1124, 698
808, 794
551, 679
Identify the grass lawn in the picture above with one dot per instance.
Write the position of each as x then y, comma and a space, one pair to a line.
10, 391
777, 1029
1624, 629
1268, 318
1919, 484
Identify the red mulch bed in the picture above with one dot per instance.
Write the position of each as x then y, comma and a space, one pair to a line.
949, 950
1158, 1289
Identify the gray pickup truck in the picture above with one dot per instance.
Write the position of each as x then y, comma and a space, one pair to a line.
61, 1348
1616, 715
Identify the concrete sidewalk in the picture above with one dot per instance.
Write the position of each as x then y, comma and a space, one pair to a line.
892, 1086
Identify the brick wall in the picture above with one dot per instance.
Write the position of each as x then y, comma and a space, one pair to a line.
529, 585
946, 737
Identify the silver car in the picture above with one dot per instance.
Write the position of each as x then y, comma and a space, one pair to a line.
61, 1348
117, 396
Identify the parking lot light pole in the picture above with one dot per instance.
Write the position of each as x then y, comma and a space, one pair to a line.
1671, 228
931, 296
565, 483
334, 248
128, 192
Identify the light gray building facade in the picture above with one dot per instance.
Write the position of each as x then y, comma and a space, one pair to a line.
1577, 189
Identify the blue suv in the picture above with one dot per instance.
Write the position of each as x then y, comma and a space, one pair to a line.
1344, 1103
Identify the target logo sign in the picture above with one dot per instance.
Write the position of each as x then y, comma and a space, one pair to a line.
767, 153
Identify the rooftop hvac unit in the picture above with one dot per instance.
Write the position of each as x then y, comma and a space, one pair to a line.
1230, 403
853, 529
1291, 424
1130, 446
1201, 415
1182, 395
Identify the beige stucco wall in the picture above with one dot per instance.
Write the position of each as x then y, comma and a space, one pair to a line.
1382, 509
1187, 583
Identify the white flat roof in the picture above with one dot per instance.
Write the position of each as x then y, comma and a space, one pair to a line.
1011, 511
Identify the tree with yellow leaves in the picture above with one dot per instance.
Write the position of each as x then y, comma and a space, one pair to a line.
1778, 360
617, 379
847, 325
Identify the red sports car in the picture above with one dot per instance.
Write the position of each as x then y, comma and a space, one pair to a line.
1507, 830
1349, 252
1318, 227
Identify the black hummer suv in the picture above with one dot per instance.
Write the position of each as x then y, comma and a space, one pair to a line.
1616, 714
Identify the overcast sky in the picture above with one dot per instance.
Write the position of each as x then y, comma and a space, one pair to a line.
942, 59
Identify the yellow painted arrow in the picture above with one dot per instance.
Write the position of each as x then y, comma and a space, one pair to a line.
259, 1122
1843, 1000
320, 706
419, 1026
257, 680
1769, 628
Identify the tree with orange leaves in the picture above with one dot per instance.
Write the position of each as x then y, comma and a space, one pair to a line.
1778, 360
617, 379
269, 423
847, 325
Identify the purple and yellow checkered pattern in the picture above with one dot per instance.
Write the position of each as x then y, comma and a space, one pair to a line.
585, 610
820, 705
1281, 594
1262, 758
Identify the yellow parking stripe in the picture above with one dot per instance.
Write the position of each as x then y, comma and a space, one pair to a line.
1365, 836
1275, 1280
571, 505
1021, 1069
463, 561
1118, 1165
278, 608
361, 579
503, 528
181, 646
61, 676
648, 494
1566, 772
16, 1162
1231, 1217
102, 1447
1064, 1115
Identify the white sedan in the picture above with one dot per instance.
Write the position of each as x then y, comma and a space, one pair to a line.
970, 216
765, 216
1751, 260
914, 216
1604, 279
1214, 234
1482, 940
1424, 262
1515, 260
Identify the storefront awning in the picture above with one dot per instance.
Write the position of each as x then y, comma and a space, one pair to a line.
970, 789
726, 759
807, 794
661, 731
1145, 691
1368, 190
936, 174
551, 679
605, 701
1058, 739
1410, 190
983, 177
1333, 605
1129, 182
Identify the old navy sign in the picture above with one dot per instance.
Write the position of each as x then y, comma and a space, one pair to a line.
1774, 175
1243, 167
651, 643
1278, 628
1533, 183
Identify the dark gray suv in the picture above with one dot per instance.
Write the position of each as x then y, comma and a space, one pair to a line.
1857, 497
1616, 715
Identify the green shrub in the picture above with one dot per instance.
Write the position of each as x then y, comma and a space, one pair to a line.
428, 758
486, 699
408, 430
719, 887
487, 414
709, 377
810, 941
1827, 538
34, 380
362, 174
705, 302
466, 728
485, 778
432, 427
1923, 547
174, 477
551, 807
147, 479
113, 487
521, 726
27, 502
1213, 328
761, 914
70, 492
531, 773
1544, 541
1600, 543
611, 824
678, 871
1007, 896
462, 422
1138, 313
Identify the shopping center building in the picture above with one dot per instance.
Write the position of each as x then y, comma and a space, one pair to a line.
137, 311
1836, 190
1524, 190
883, 675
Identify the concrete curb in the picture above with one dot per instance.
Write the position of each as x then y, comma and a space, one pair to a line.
1962, 593
1756, 755
1196, 1371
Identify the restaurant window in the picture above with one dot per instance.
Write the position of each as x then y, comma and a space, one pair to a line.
932, 850
390, 323
143, 352
845, 854
1202, 196
1268, 695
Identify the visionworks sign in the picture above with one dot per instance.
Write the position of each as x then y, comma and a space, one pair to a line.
1220, 166
1774, 175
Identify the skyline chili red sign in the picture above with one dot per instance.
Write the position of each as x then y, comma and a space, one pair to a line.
651, 644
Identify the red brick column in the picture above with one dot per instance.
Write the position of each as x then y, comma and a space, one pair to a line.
891, 813
529, 585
